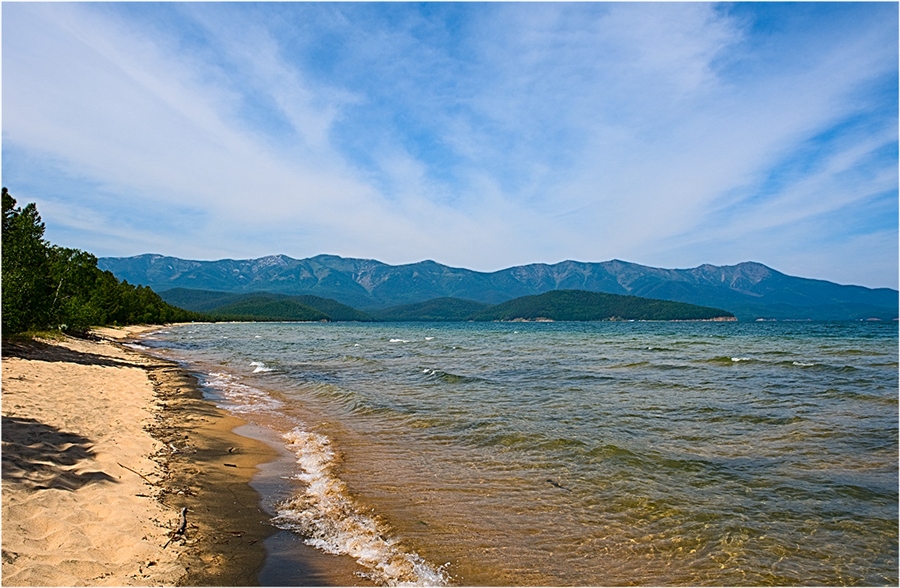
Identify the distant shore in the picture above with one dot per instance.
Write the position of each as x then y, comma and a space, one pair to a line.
102, 449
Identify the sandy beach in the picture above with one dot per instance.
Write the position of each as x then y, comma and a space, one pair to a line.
102, 449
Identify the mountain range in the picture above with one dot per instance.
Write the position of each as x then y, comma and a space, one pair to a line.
749, 290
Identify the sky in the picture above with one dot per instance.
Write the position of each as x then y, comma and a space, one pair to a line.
477, 135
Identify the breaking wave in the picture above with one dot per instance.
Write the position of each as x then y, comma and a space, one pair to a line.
260, 367
329, 519
241, 397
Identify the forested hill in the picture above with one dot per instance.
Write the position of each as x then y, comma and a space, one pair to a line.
749, 290
579, 305
45, 286
262, 306
559, 305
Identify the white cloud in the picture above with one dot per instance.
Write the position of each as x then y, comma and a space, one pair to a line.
527, 133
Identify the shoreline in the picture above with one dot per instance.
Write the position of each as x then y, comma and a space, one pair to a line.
207, 469
87, 503
104, 445
232, 461
80, 484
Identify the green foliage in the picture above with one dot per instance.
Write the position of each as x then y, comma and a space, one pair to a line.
25, 289
47, 286
438, 309
199, 300
263, 306
334, 309
579, 305
560, 305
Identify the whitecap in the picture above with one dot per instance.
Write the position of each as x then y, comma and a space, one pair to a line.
399, 341
737, 359
241, 397
260, 367
330, 520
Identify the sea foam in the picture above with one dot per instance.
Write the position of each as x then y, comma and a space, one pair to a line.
326, 515
260, 367
243, 398
136, 346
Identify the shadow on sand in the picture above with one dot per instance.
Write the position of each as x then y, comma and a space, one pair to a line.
39, 351
41, 457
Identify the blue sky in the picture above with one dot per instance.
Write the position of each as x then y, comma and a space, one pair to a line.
477, 135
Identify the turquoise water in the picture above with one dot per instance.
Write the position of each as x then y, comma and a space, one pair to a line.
576, 453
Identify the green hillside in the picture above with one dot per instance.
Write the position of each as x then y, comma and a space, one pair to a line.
265, 309
580, 305
559, 305
198, 300
334, 309
262, 306
438, 309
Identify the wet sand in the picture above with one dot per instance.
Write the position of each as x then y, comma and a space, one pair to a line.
102, 449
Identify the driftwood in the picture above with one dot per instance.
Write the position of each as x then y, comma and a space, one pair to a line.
182, 526
136, 472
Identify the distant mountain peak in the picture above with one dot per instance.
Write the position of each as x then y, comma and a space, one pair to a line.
749, 289
743, 276
273, 260
326, 257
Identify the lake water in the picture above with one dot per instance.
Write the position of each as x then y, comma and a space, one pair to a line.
575, 453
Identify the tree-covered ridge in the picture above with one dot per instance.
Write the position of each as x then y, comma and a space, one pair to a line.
438, 309
580, 305
268, 310
264, 306
47, 286
561, 305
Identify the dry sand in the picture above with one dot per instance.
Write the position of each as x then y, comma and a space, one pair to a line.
102, 448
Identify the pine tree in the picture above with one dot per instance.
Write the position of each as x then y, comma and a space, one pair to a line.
25, 284
47, 286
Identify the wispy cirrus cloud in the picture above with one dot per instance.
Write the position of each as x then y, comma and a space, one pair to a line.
478, 135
